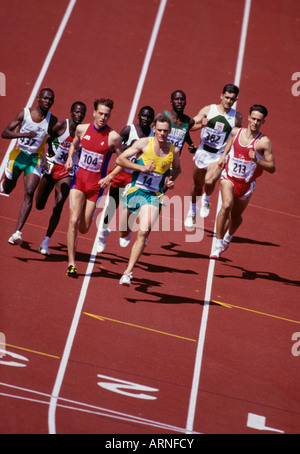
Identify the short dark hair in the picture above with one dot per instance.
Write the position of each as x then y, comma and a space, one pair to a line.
147, 108
231, 88
262, 109
104, 101
177, 91
47, 89
162, 118
77, 103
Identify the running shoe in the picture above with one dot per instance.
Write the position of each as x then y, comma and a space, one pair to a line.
216, 253
190, 219
226, 241
225, 245
126, 280
218, 248
2, 189
16, 238
43, 249
125, 241
102, 240
72, 272
205, 207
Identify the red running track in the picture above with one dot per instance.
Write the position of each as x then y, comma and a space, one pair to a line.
232, 322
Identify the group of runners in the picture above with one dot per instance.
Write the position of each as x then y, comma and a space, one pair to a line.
147, 164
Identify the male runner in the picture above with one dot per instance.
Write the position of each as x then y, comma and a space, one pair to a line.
56, 175
31, 126
180, 123
249, 154
96, 141
154, 157
217, 122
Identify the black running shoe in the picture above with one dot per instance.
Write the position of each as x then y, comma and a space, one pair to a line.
72, 272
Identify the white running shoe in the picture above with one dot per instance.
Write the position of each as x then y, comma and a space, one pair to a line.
190, 219
216, 253
204, 210
126, 280
125, 241
43, 249
226, 241
102, 240
16, 238
225, 245
2, 189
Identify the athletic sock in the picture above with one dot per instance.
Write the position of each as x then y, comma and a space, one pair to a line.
227, 237
193, 207
219, 244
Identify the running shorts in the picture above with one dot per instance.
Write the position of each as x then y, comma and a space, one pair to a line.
87, 182
19, 161
241, 190
134, 197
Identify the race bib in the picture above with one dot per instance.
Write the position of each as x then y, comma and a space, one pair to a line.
31, 144
213, 138
90, 161
149, 181
239, 168
176, 137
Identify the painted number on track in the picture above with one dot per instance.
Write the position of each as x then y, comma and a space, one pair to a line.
127, 388
8, 359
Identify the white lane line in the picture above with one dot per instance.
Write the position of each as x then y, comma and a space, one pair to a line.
80, 302
210, 274
147, 60
87, 408
41, 76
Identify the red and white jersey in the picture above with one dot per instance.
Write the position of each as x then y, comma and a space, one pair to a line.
60, 147
95, 153
239, 165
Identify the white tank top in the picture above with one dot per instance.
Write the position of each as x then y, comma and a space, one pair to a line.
35, 144
133, 136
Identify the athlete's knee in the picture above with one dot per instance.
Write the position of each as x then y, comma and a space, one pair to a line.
73, 223
226, 207
210, 181
142, 236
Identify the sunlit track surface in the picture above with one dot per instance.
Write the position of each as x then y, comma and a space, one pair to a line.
130, 366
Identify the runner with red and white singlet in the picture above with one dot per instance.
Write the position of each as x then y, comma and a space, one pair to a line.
95, 142
250, 153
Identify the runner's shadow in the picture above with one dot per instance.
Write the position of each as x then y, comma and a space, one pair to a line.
171, 247
153, 268
165, 298
267, 275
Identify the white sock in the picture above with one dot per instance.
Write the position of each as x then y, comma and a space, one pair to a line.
219, 244
227, 237
193, 207
205, 197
